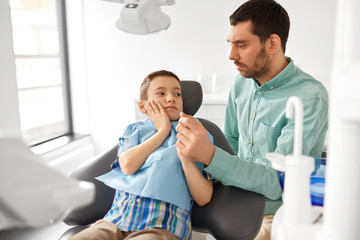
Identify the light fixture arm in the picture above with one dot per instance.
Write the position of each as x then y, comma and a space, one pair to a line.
158, 2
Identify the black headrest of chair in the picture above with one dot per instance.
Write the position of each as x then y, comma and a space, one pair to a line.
192, 96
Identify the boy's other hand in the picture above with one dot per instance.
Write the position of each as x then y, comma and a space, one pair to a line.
182, 158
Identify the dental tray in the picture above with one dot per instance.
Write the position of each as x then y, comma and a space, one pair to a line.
317, 182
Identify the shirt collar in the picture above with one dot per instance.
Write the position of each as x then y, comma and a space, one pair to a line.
282, 77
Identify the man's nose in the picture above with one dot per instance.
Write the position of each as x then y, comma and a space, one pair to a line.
233, 54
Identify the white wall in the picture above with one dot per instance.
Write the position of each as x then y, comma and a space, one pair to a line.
194, 44
312, 35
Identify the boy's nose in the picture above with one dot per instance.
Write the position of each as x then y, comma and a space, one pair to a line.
170, 99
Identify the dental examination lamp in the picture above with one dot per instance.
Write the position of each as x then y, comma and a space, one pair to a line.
31, 193
143, 17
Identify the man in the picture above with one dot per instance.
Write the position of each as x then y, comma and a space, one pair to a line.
255, 121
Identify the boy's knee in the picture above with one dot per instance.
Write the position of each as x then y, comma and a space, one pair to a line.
101, 229
265, 230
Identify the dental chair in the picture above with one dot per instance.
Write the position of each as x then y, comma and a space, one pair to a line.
233, 213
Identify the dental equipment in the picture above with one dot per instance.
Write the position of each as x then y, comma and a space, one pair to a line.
342, 193
31, 193
143, 16
296, 208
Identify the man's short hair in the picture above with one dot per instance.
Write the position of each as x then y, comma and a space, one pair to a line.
267, 17
146, 82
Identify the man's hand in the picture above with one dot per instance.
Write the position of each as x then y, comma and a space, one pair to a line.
193, 140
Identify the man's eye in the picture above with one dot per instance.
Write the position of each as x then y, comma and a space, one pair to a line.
160, 93
178, 94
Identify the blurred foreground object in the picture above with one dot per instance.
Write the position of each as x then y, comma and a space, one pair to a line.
31, 193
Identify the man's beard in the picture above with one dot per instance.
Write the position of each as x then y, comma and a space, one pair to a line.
260, 68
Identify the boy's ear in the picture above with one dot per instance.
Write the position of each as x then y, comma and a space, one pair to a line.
141, 106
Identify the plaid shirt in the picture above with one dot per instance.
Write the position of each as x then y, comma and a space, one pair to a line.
133, 213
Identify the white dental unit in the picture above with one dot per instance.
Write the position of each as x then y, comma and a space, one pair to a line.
297, 219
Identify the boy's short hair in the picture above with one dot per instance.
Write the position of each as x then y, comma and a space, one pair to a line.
267, 17
146, 82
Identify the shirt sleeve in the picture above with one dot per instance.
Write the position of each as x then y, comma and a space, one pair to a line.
123, 146
127, 141
231, 170
208, 176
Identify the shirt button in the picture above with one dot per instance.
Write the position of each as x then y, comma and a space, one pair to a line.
138, 200
249, 141
252, 116
259, 92
271, 87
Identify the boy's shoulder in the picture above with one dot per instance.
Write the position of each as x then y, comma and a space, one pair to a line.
142, 128
147, 123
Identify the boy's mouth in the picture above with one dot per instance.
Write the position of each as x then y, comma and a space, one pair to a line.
170, 108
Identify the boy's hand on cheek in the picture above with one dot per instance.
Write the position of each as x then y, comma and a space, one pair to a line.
157, 114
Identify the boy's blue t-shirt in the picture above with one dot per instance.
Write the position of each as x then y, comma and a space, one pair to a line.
161, 176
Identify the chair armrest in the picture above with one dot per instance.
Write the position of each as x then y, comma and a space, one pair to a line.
232, 212
219, 138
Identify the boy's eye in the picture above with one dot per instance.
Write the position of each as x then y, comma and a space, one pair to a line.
160, 93
178, 94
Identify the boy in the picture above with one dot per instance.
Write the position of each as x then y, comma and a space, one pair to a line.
153, 188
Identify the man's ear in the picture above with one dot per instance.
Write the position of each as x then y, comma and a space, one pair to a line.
274, 42
141, 106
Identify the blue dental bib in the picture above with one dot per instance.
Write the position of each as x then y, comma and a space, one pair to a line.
161, 176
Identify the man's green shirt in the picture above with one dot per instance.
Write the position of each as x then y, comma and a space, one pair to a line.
255, 124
